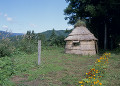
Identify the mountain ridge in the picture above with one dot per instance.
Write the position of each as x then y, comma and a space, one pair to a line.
46, 33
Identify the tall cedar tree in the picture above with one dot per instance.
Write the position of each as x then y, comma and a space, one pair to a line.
103, 16
53, 35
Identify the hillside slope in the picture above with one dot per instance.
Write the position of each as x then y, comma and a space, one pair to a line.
4, 34
57, 32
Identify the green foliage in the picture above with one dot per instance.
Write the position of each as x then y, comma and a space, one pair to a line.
97, 13
6, 47
40, 36
56, 40
48, 33
28, 46
29, 42
89, 8
6, 70
59, 69
53, 38
80, 23
68, 31
53, 35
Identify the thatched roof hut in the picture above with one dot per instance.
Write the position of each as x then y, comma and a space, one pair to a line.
81, 41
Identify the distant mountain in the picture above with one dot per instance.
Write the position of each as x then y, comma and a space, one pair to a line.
46, 33
57, 32
8, 34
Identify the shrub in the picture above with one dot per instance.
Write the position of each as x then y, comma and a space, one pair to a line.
6, 47
28, 46
6, 70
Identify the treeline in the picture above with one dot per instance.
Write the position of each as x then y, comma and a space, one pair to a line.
102, 18
28, 42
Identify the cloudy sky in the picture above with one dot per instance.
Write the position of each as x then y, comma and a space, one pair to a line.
18, 16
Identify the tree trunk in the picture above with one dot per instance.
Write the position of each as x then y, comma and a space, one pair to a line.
105, 38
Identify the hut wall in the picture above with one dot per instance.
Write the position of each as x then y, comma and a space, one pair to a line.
87, 45
85, 48
69, 45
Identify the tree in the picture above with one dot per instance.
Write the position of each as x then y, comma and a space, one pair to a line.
52, 38
101, 13
41, 37
28, 35
53, 35
33, 35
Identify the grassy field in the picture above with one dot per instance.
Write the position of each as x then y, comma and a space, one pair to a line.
59, 69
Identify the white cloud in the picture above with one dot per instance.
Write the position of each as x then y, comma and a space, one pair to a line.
33, 25
5, 15
9, 19
5, 27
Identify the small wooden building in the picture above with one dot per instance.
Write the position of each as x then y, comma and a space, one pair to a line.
81, 41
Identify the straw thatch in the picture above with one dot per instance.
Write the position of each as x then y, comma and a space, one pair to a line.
81, 41
80, 33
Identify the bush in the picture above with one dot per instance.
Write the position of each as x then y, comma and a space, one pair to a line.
28, 46
57, 41
6, 70
6, 47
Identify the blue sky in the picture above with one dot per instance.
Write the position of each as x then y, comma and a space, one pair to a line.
18, 16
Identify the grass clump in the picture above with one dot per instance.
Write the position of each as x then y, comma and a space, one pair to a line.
80, 23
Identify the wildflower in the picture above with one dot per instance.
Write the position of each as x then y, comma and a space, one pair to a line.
99, 61
96, 71
94, 83
80, 82
100, 83
81, 85
93, 75
86, 73
93, 69
97, 80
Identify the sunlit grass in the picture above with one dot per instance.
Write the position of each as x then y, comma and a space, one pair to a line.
58, 68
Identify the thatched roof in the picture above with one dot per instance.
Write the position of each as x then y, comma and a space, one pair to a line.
81, 33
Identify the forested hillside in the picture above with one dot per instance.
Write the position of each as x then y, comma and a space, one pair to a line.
57, 32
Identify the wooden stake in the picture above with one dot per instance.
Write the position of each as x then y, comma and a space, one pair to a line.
39, 52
